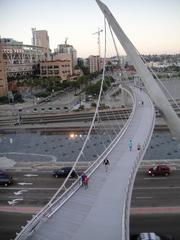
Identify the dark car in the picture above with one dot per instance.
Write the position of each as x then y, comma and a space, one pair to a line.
5, 178
159, 170
63, 172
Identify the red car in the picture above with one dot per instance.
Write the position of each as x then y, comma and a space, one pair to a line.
159, 170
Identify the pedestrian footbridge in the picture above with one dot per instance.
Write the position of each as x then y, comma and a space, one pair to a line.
101, 211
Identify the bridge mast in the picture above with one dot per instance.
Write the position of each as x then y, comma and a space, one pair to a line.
150, 83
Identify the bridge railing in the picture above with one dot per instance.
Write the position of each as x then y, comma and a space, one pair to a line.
53, 207
132, 175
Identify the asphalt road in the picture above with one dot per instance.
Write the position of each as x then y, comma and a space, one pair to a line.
156, 191
162, 224
32, 190
36, 188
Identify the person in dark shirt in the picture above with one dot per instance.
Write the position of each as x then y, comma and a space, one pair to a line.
106, 164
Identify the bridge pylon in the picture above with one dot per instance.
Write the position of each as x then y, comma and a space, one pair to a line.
151, 85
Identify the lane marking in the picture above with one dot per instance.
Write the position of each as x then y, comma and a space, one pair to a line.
157, 178
20, 192
28, 188
31, 175
14, 201
22, 184
155, 188
143, 197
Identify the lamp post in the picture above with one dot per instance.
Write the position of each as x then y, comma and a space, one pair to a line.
80, 99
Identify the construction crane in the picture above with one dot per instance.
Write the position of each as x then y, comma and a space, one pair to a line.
98, 41
66, 41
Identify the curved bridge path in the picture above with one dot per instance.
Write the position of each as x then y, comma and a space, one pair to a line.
102, 210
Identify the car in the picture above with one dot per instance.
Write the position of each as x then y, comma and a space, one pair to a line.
150, 236
5, 178
159, 170
63, 172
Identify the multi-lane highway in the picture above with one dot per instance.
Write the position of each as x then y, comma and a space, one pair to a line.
33, 189
156, 191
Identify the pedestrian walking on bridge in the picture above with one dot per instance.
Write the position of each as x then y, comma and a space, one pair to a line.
130, 145
139, 147
106, 164
86, 181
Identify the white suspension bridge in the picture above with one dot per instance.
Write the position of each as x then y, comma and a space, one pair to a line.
102, 211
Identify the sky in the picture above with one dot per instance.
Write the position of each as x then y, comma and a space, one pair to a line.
153, 26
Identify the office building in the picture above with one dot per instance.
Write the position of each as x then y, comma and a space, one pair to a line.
41, 39
94, 63
56, 68
64, 50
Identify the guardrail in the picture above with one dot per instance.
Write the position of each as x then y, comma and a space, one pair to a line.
57, 201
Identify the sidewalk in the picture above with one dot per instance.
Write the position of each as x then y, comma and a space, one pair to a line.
155, 210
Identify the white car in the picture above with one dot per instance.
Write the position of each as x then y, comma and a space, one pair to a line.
152, 236
148, 236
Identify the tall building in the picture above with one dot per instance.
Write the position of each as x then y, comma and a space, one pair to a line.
40, 39
66, 50
3, 77
94, 64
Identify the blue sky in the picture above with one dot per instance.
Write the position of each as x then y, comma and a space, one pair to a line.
152, 25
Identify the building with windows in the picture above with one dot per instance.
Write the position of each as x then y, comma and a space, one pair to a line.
65, 50
40, 38
20, 59
94, 63
56, 68
3, 77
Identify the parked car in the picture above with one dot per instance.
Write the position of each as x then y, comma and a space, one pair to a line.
63, 172
159, 170
5, 178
